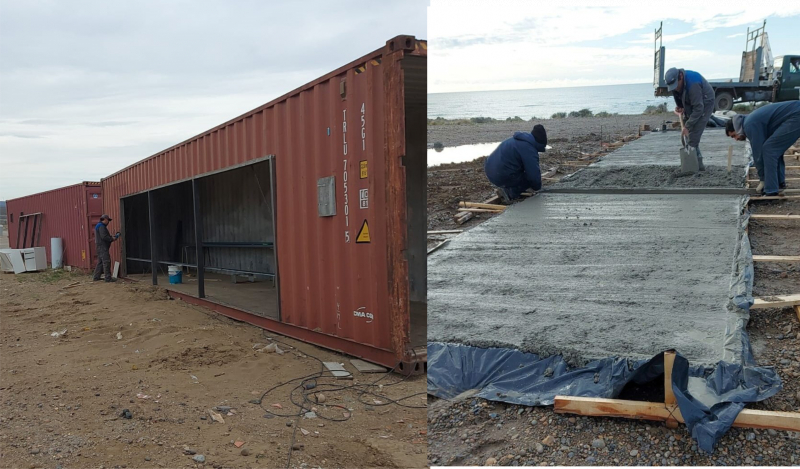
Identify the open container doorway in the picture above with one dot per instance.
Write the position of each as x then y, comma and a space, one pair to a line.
217, 230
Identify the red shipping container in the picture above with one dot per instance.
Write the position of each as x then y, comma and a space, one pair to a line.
351, 280
69, 213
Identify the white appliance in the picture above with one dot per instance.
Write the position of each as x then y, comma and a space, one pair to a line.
23, 260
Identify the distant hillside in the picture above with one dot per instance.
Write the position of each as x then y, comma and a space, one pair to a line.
3, 213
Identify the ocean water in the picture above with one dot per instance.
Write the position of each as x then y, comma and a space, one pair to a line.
461, 153
544, 102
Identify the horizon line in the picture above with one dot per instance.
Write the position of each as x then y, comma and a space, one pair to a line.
543, 88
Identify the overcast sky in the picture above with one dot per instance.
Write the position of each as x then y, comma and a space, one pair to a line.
517, 44
89, 87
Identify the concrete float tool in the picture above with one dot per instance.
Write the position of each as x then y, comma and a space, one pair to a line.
689, 162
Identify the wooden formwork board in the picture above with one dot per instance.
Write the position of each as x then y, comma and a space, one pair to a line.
776, 302
668, 410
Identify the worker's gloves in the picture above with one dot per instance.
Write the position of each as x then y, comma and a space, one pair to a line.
116, 235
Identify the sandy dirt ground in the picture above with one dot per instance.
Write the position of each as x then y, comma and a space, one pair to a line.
471, 431
128, 347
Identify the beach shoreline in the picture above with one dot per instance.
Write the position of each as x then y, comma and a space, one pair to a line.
455, 132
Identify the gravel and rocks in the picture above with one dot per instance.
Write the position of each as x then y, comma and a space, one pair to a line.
462, 433
456, 132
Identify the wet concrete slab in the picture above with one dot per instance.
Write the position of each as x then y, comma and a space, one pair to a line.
653, 177
591, 276
653, 162
663, 149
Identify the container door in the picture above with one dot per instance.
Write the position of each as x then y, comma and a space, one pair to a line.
94, 208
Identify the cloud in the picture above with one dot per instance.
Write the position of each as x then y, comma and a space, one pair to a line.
461, 24
668, 38
13, 135
734, 35
507, 44
90, 86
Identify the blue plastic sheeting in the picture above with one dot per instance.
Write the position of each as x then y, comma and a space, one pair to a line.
709, 399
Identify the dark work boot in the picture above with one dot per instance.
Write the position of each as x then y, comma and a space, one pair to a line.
111, 280
503, 195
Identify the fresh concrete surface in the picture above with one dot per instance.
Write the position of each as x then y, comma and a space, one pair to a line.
591, 276
663, 149
653, 162
652, 176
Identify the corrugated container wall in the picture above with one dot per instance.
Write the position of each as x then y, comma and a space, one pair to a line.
69, 213
350, 124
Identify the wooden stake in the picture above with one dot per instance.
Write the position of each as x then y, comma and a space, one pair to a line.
797, 312
787, 168
757, 216
479, 210
669, 360
599, 407
463, 217
787, 179
548, 174
773, 197
669, 397
477, 205
437, 246
445, 232
777, 302
757, 258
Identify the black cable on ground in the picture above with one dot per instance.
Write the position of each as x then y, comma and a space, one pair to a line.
309, 384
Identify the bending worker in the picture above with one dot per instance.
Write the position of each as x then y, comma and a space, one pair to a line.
514, 165
771, 130
694, 98
103, 241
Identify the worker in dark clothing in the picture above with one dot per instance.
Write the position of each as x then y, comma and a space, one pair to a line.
771, 130
694, 99
103, 241
514, 165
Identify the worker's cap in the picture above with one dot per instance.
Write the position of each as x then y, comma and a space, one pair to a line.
539, 134
671, 77
105, 217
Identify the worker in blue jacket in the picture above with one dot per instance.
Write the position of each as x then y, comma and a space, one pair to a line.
771, 130
514, 165
694, 99
103, 240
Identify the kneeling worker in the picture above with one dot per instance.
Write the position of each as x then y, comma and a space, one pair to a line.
771, 130
514, 165
694, 97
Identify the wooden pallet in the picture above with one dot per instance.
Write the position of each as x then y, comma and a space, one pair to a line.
668, 411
